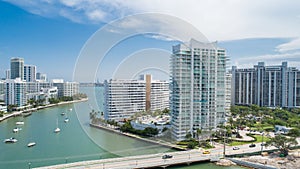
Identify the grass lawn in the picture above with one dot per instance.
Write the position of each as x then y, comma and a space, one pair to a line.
258, 140
237, 143
265, 127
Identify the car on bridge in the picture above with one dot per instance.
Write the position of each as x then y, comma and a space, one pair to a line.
206, 152
166, 156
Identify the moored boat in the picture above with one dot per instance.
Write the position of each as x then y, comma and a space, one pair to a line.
66, 120
16, 129
31, 144
57, 130
10, 140
19, 122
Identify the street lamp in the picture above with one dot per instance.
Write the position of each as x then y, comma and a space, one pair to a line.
224, 148
262, 142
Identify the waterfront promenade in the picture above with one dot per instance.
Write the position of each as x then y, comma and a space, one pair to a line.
18, 113
158, 142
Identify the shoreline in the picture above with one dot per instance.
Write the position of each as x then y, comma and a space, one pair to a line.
172, 146
18, 113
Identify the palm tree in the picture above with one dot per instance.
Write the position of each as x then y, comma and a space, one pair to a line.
231, 122
199, 131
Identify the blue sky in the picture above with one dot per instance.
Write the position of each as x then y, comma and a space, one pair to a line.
51, 33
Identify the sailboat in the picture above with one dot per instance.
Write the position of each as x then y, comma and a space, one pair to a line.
57, 130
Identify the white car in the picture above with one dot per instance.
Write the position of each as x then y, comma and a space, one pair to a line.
235, 148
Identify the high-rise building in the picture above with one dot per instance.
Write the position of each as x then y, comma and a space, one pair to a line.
124, 98
7, 74
15, 92
270, 86
228, 92
41, 77
38, 76
2, 89
197, 88
17, 68
68, 89
29, 73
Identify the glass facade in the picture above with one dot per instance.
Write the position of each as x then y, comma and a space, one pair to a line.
197, 87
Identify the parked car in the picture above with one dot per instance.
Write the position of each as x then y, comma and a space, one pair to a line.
206, 152
166, 156
235, 148
252, 145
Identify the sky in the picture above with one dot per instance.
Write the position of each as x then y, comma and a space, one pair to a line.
53, 34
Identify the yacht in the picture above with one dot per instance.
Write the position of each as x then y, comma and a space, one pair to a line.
19, 122
62, 113
10, 140
31, 144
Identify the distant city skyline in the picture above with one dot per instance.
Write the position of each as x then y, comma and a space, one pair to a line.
51, 34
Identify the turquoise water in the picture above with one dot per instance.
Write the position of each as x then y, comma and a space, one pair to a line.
76, 141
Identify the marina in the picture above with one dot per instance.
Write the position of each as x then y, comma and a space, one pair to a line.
77, 141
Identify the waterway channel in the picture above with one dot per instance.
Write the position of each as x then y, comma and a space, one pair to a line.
76, 141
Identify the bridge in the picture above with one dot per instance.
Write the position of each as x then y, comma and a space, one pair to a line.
156, 160
141, 161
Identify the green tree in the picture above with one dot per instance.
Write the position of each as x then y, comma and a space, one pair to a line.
191, 145
188, 136
282, 143
231, 122
294, 132
166, 111
11, 107
199, 132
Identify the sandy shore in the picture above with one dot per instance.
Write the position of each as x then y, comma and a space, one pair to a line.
18, 113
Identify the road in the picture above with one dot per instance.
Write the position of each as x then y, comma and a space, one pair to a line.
155, 160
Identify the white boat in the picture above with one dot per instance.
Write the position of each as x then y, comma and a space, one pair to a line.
57, 130
10, 140
19, 122
66, 120
70, 109
62, 113
31, 144
15, 130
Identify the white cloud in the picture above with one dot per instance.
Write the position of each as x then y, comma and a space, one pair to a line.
161, 37
292, 58
218, 20
290, 46
70, 3
96, 15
